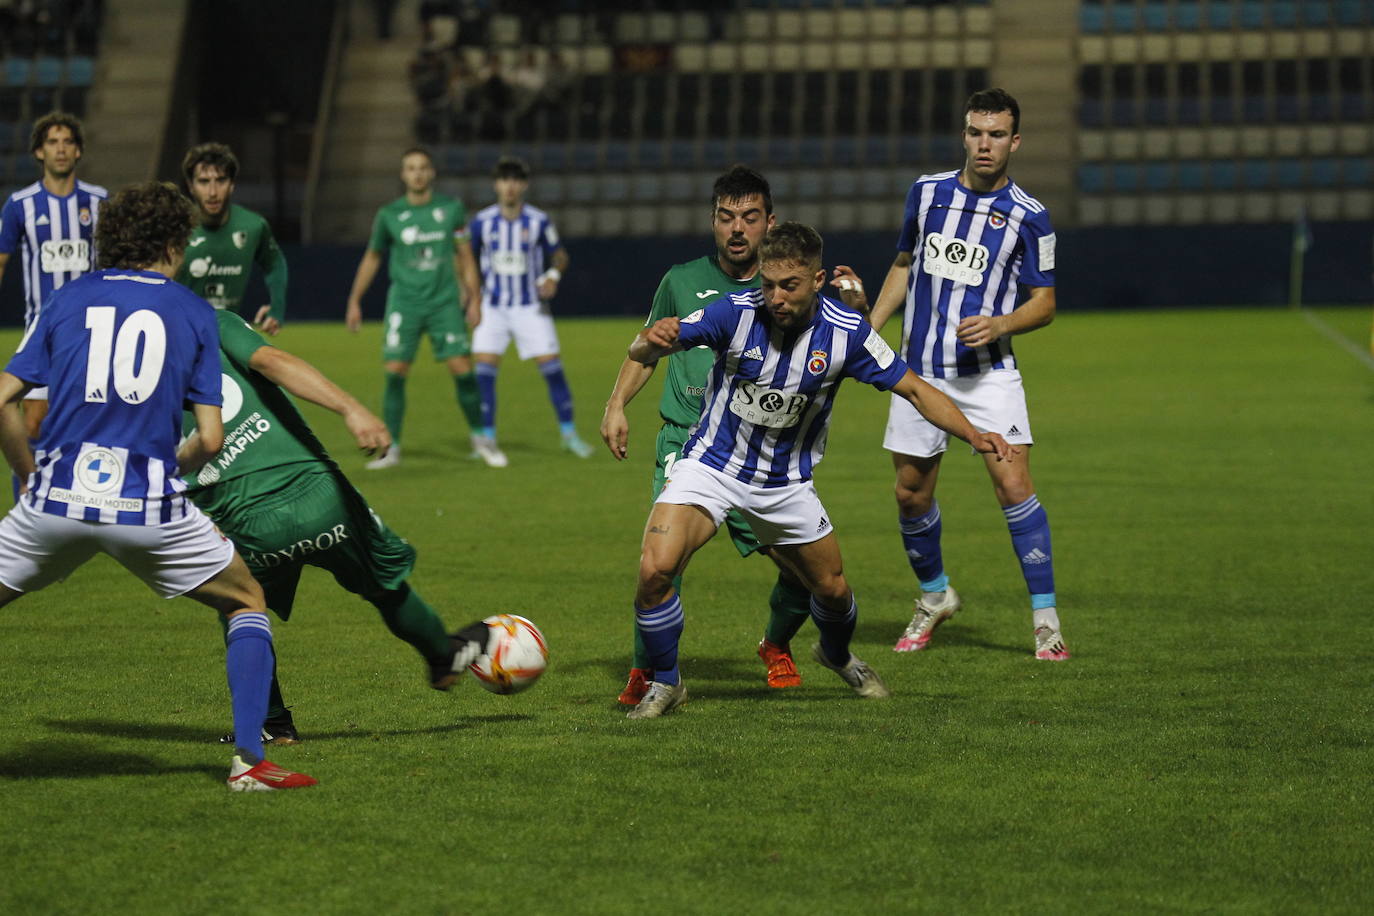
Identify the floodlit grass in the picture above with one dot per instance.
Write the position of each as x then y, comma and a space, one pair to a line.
1208, 479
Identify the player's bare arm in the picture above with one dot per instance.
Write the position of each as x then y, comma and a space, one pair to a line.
893, 294
936, 407
851, 288
14, 437
549, 280
470, 282
656, 341
305, 381
615, 428
367, 272
205, 442
4, 259
1036, 312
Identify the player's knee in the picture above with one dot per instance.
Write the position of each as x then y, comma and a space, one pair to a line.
913, 503
655, 578
832, 590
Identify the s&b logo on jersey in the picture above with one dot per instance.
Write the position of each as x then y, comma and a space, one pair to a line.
954, 259
509, 263
767, 406
57, 255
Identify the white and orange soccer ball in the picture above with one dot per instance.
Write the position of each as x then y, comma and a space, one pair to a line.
516, 655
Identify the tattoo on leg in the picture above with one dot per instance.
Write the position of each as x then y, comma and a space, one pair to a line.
659, 529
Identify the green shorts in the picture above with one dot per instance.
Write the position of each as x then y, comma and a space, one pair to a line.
403, 326
319, 521
671, 439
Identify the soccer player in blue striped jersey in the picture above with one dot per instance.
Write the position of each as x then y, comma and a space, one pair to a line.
522, 262
781, 353
121, 351
970, 239
51, 223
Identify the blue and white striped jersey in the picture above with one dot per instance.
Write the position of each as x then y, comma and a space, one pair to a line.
766, 411
54, 235
969, 251
120, 352
512, 254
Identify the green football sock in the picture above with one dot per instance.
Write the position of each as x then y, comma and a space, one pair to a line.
789, 606
469, 399
276, 706
642, 659
394, 404
408, 617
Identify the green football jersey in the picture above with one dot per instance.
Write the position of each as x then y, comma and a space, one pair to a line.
684, 289
219, 260
421, 240
267, 443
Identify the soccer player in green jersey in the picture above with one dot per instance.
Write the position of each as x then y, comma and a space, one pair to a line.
426, 234
741, 213
229, 240
275, 492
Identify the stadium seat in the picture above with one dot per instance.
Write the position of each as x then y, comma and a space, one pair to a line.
1251, 14
17, 71
844, 183
1357, 171
1319, 108
1155, 16
554, 156
585, 156
1187, 15
1255, 108
749, 150
1188, 111
1092, 18
1289, 174
1353, 12
47, 71
1092, 178
1316, 14
844, 150
1159, 176
1352, 106
1156, 111
1125, 176
782, 151
1192, 175
1224, 176
681, 187
648, 187
811, 151
80, 71
1256, 174
1090, 113
1283, 14
1325, 172
876, 150
682, 154
1223, 110
1287, 108
1124, 18
1123, 113
810, 184
715, 154
1220, 15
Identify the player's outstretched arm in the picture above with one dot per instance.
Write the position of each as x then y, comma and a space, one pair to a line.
14, 437
305, 381
615, 428
367, 272
1036, 312
656, 341
893, 294
936, 407
205, 442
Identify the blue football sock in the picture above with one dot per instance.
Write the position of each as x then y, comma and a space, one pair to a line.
249, 661
486, 388
837, 628
559, 393
661, 627
1030, 538
921, 538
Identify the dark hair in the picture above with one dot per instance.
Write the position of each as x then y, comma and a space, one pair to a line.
742, 181
791, 241
421, 151
216, 155
511, 167
56, 119
141, 223
993, 101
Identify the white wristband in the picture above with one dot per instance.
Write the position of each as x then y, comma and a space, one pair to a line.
553, 273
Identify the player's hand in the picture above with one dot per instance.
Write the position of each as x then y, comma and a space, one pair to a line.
993, 444
368, 431
473, 313
353, 317
615, 431
663, 333
264, 321
851, 289
547, 287
979, 330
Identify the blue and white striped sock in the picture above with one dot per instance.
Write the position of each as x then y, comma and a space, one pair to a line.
559, 392
248, 660
1030, 538
661, 627
921, 539
486, 390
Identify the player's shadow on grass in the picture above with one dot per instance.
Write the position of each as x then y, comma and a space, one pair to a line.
191, 734
878, 634
83, 760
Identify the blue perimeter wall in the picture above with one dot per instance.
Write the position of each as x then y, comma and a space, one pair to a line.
1105, 268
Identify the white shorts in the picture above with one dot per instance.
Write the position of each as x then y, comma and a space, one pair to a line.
37, 394
778, 515
530, 325
994, 402
38, 549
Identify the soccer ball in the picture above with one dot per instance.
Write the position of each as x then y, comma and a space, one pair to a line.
516, 655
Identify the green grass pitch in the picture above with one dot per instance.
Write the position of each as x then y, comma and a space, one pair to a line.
1208, 477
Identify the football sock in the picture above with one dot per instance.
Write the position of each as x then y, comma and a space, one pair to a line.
248, 661
469, 399
486, 388
559, 393
394, 404
276, 706
837, 628
1030, 538
409, 618
661, 628
788, 608
921, 538
641, 656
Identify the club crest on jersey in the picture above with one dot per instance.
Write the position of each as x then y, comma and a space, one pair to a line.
240, 238
84, 216
818, 361
954, 259
694, 317
438, 214
997, 220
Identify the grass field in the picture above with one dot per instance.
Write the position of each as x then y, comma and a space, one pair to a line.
1208, 749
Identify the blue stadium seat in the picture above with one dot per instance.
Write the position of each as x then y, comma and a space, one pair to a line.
1090, 112
1224, 176
844, 151
583, 189
1353, 12
80, 71
783, 185
1222, 110
1289, 174
781, 151
875, 151
614, 189
1283, 14
1125, 176
453, 159
844, 183
1319, 108
1159, 176
47, 71
485, 156
946, 148
810, 184
648, 187
682, 154
680, 187
1156, 111
552, 190
1256, 174
1192, 175
1092, 18
1092, 178
1189, 111
1123, 113
1316, 13
1255, 108
715, 154
1187, 15
554, 157
1357, 171
1325, 172
1352, 106
617, 154
811, 151
1124, 17
749, 151
1220, 15
1155, 16
910, 149
585, 156
1251, 14
17, 71
1287, 108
